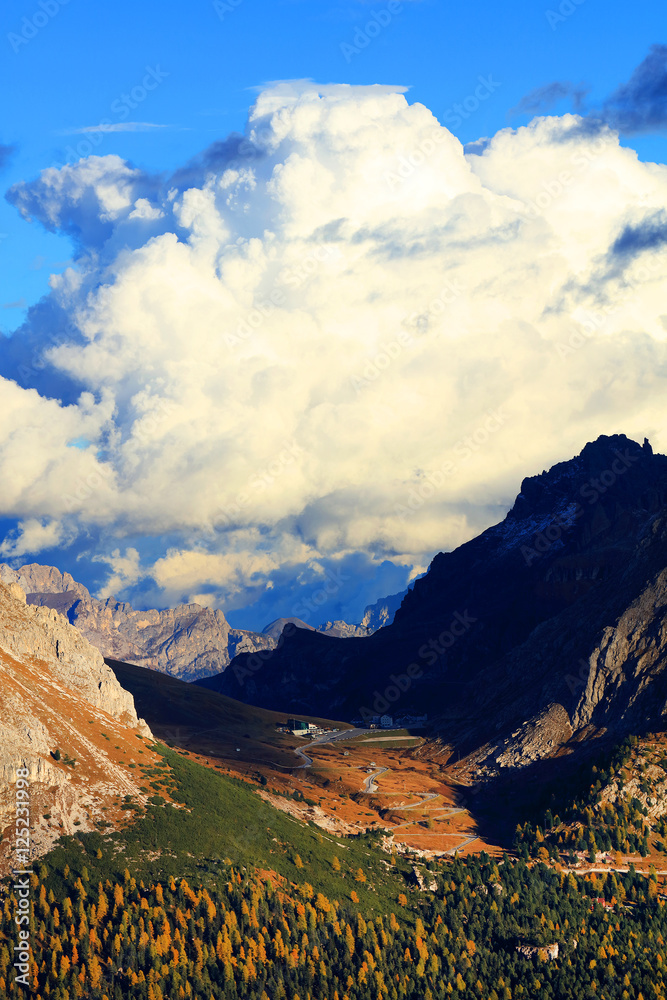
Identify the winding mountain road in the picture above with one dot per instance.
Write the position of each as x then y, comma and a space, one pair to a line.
343, 734
307, 761
369, 785
425, 797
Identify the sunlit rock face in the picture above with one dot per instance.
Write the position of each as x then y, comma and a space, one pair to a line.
67, 727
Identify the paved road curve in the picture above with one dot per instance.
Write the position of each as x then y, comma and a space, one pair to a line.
369, 785
460, 847
344, 734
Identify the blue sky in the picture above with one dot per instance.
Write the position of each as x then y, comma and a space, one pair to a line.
169, 80
87, 56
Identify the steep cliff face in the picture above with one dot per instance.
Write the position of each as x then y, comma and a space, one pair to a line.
66, 721
546, 623
343, 630
39, 633
188, 641
601, 662
626, 679
36, 579
382, 613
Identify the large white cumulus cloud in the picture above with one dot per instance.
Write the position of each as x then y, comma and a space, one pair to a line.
284, 346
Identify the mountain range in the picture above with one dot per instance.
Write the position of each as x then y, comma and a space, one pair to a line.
523, 647
188, 642
546, 625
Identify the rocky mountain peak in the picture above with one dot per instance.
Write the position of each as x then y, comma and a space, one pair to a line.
188, 641
34, 579
41, 633
602, 464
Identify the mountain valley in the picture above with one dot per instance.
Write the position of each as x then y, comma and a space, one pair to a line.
536, 652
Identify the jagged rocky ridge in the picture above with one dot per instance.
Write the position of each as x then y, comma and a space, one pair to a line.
375, 616
188, 642
340, 629
382, 612
42, 634
57, 693
549, 622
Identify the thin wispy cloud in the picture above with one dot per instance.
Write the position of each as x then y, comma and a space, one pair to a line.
543, 99
114, 127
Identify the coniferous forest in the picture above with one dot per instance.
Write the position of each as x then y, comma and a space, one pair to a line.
488, 931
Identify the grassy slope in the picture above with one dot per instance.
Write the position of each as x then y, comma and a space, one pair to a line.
225, 820
193, 716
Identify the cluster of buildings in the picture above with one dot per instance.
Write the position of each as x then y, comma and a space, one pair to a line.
297, 727
389, 722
